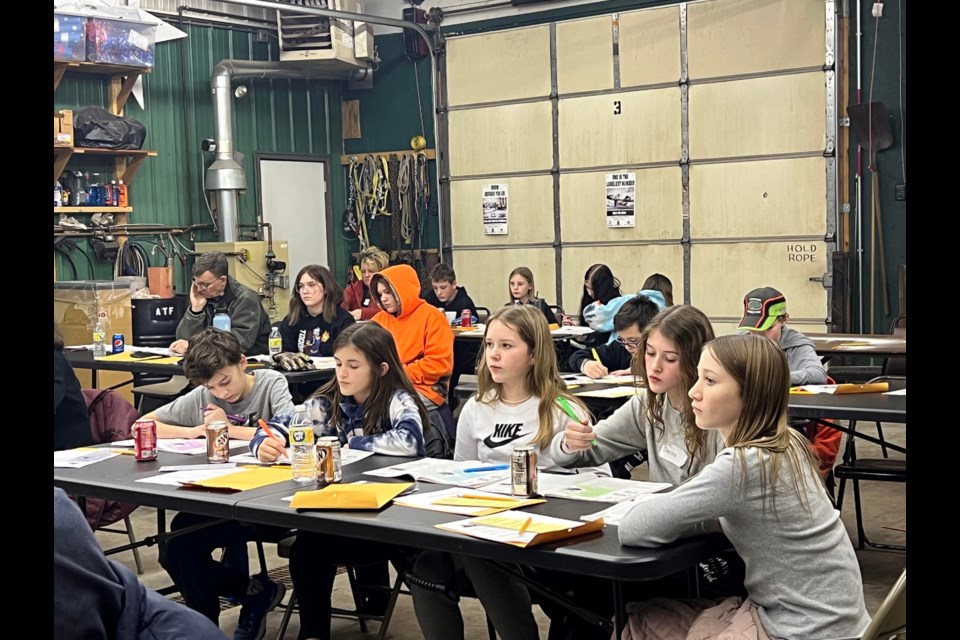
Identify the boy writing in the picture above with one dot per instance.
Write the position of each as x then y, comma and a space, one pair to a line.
224, 391
446, 294
614, 357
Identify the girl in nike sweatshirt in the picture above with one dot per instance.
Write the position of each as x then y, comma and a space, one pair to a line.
517, 403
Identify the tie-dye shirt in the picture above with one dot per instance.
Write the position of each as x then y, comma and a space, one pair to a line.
402, 434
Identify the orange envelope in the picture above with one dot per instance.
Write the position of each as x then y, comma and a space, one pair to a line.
248, 478
368, 495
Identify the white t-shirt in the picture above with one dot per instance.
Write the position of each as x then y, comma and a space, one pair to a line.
490, 432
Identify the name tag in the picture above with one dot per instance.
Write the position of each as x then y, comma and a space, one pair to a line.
672, 454
366, 302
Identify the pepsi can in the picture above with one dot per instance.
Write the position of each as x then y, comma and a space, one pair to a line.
118, 343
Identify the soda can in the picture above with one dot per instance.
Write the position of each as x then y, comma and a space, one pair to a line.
218, 442
523, 471
328, 459
118, 343
465, 319
144, 434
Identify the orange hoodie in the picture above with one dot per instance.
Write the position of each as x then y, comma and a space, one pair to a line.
423, 335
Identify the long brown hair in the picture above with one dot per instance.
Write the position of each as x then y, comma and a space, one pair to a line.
526, 274
378, 347
332, 294
543, 378
688, 329
760, 368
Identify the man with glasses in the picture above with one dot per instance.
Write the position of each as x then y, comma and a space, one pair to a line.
214, 291
614, 357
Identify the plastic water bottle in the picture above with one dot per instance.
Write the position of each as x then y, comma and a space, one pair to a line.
222, 321
275, 341
99, 341
303, 447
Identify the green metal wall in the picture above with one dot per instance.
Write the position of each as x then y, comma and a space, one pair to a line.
280, 116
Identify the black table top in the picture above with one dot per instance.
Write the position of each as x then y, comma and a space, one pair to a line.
876, 407
598, 554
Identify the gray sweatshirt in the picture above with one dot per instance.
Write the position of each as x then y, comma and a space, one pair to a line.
805, 364
801, 569
627, 431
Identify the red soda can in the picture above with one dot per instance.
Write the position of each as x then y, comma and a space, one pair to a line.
465, 320
144, 434
118, 343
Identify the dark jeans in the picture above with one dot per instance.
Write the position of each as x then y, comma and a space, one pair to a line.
201, 579
314, 559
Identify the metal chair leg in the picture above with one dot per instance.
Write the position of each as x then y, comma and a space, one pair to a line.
856, 503
357, 598
133, 540
883, 447
491, 630
391, 603
287, 612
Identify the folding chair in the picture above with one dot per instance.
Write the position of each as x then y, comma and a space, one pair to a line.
890, 621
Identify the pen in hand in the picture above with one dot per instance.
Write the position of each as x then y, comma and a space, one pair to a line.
263, 425
569, 411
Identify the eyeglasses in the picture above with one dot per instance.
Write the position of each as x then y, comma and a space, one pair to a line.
629, 342
203, 286
308, 286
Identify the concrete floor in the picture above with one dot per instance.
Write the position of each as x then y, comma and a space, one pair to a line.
884, 506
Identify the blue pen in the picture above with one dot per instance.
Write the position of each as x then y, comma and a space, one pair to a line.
496, 467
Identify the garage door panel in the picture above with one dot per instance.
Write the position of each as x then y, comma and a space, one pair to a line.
766, 198
736, 37
514, 137
631, 265
757, 116
585, 55
659, 207
530, 216
650, 46
485, 273
506, 65
620, 129
721, 274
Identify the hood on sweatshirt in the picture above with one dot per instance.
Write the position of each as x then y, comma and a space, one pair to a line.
404, 282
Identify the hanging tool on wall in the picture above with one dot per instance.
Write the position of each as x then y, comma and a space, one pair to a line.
396, 221
353, 216
407, 198
422, 183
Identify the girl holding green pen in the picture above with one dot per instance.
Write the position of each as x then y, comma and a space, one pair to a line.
520, 400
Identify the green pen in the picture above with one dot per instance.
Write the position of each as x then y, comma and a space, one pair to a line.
569, 410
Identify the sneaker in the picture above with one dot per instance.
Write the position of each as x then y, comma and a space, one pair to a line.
252, 624
69, 222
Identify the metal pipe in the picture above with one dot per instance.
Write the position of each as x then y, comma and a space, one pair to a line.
859, 182
269, 228
387, 22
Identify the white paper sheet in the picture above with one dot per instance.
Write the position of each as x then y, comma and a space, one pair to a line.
77, 458
178, 478
613, 515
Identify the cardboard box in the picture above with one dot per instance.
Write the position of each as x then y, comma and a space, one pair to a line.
77, 305
63, 128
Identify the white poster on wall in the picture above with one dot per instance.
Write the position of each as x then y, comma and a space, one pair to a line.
621, 200
495, 209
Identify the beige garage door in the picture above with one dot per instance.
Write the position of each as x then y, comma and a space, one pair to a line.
723, 112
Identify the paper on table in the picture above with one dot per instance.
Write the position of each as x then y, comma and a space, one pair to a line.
581, 379
127, 356
479, 328
613, 515
612, 392
192, 447
449, 472
191, 467
347, 456
606, 489
178, 478
571, 330
547, 482
898, 392
505, 527
81, 457
465, 502
248, 478
366, 495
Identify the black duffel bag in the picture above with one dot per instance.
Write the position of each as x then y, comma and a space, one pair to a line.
95, 127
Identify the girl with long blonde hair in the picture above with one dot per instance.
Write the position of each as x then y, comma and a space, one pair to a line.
765, 493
